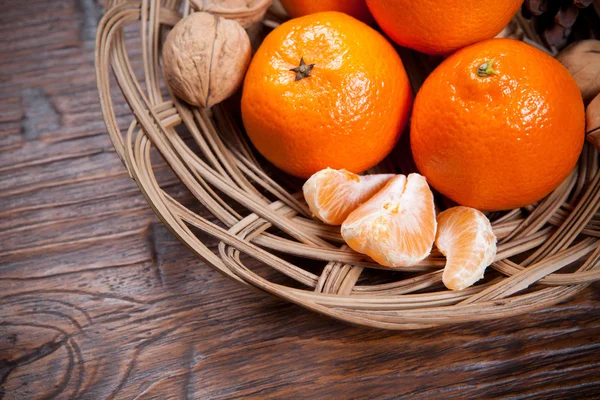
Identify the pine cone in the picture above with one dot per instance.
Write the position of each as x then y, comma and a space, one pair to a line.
560, 22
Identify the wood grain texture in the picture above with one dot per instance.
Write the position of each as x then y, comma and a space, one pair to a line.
99, 301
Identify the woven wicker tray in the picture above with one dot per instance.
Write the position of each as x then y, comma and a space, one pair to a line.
267, 238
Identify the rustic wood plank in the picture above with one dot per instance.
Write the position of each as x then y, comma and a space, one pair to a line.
98, 300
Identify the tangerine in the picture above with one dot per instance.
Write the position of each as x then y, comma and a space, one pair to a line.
325, 90
442, 27
497, 125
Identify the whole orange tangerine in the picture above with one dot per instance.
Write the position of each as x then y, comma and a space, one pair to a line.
497, 125
441, 27
325, 90
356, 8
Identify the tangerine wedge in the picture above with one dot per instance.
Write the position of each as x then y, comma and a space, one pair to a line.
397, 226
466, 238
333, 194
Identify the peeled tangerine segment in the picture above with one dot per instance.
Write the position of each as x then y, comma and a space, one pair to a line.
466, 238
333, 194
397, 226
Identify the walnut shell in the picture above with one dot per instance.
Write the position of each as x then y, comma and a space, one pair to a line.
582, 59
592, 125
246, 12
205, 58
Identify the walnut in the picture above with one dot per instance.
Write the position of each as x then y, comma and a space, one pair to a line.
205, 58
582, 59
593, 122
246, 12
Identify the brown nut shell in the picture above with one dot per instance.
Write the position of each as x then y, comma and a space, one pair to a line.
582, 59
205, 58
246, 12
592, 126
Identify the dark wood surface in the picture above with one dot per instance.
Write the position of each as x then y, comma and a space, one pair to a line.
98, 300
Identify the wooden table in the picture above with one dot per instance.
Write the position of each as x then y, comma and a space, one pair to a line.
98, 300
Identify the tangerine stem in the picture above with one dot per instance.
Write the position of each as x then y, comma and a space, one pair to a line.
303, 70
487, 68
